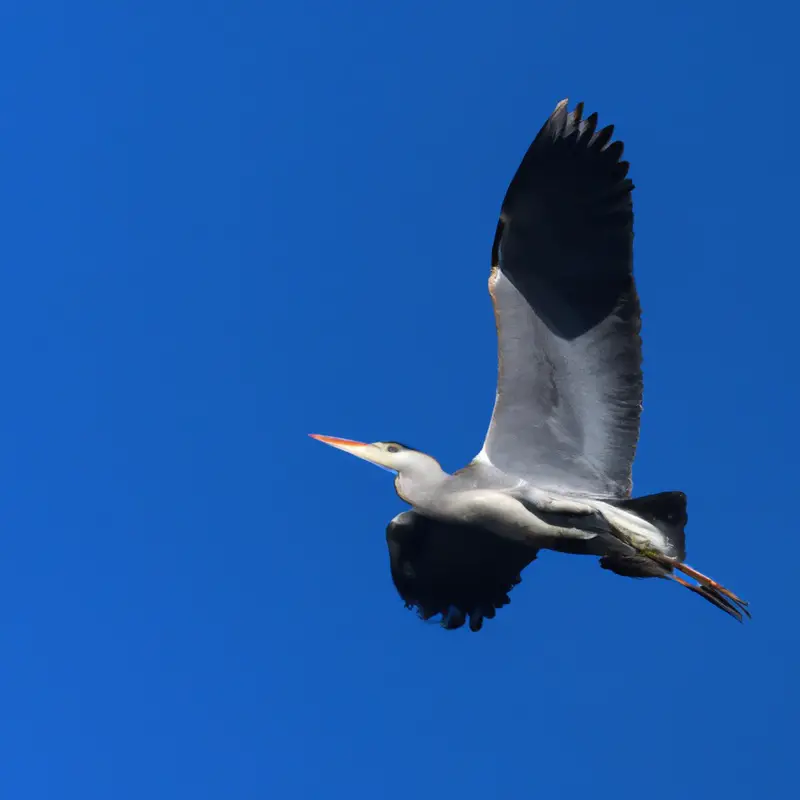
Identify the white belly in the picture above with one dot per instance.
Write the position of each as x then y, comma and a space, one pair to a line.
501, 514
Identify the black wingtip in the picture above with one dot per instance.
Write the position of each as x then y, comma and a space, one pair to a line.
564, 124
568, 138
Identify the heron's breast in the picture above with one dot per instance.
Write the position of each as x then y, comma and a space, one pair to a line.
484, 506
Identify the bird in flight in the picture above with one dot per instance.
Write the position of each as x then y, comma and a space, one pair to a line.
554, 472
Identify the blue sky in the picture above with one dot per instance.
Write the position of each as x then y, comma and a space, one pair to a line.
226, 225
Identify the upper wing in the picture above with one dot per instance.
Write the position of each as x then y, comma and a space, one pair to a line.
569, 389
453, 570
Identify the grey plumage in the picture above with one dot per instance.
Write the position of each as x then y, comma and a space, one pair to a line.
554, 471
569, 392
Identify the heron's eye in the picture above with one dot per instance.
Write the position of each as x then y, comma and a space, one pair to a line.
392, 448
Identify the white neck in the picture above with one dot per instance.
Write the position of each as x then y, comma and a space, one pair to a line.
419, 479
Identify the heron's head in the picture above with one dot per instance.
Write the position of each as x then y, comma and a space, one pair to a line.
393, 456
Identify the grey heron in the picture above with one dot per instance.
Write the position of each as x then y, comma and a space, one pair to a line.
554, 471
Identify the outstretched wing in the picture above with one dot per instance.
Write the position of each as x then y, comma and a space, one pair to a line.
454, 570
569, 390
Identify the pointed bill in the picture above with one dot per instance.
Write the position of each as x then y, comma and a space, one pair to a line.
369, 452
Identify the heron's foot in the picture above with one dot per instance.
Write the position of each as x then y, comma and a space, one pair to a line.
715, 598
704, 580
708, 587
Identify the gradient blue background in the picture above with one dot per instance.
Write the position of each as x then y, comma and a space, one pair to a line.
226, 225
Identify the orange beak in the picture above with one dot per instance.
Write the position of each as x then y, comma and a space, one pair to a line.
334, 442
369, 452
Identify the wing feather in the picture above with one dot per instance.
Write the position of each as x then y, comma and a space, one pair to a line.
569, 391
454, 570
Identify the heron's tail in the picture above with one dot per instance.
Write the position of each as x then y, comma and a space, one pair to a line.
667, 512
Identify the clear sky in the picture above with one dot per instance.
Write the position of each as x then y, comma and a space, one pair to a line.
228, 224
